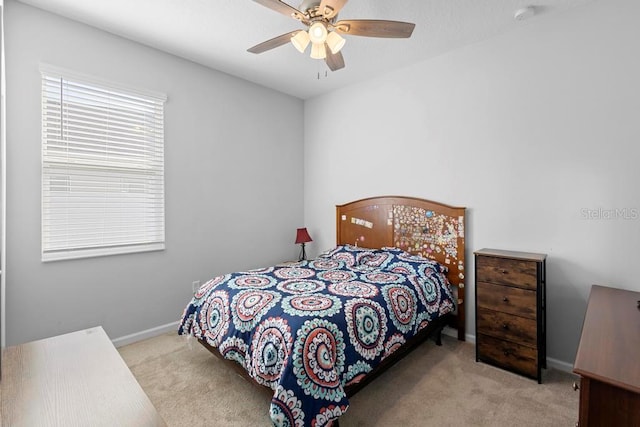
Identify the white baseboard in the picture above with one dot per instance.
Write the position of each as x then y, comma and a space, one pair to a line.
143, 335
551, 362
450, 332
560, 365
173, 326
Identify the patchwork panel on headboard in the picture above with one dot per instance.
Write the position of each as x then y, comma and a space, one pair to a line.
431, 235
419, 226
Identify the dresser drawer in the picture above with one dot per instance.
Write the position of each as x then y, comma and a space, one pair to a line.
507, 299
512, 272
506, 326
508, 355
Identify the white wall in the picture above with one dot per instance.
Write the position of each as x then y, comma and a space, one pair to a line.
2, 180
525, 130
233, 178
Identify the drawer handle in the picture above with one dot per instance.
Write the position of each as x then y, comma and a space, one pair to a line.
505, 299
575, 386
503, 271
505, 326
506, 352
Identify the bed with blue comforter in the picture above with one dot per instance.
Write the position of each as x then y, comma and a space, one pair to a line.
309, 330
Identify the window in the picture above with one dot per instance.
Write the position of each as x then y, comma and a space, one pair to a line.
102, 168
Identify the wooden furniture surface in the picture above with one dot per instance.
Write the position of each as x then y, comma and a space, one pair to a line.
423, 227
76, 379
511, 310
608, 359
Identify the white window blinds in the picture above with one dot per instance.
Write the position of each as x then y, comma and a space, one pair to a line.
102, 169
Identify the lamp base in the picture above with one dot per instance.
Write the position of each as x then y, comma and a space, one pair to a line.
303, 253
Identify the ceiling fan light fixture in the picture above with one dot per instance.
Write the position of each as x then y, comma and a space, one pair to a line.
318, 51
318, 32
300, 41
335, 42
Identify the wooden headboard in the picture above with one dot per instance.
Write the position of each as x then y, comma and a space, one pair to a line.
430, 229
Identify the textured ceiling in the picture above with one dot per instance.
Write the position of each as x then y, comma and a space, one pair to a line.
217, 34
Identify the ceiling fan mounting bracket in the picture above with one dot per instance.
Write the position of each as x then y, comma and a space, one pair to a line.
311, 12
314, 14
307, 5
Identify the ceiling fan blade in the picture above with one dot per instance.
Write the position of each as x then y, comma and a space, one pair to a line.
282, 7
273, 43
375, 28
334, 61
330, 8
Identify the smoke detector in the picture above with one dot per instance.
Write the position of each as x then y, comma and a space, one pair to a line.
524, 13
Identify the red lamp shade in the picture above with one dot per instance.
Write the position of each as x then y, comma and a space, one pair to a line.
302, 236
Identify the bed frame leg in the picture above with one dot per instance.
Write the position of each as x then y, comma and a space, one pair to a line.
438, 337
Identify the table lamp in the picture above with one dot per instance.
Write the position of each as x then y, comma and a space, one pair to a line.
302, 237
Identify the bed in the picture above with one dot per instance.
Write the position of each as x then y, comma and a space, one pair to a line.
315, 332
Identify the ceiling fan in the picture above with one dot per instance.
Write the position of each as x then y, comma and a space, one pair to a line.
323, 29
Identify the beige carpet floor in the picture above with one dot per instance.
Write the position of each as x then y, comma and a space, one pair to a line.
432, 386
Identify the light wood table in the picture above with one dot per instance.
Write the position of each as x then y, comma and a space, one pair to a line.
76, 379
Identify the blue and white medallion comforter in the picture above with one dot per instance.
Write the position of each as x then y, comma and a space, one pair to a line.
308, 329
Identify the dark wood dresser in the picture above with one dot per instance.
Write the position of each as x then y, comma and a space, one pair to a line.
511, 310
608, 359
